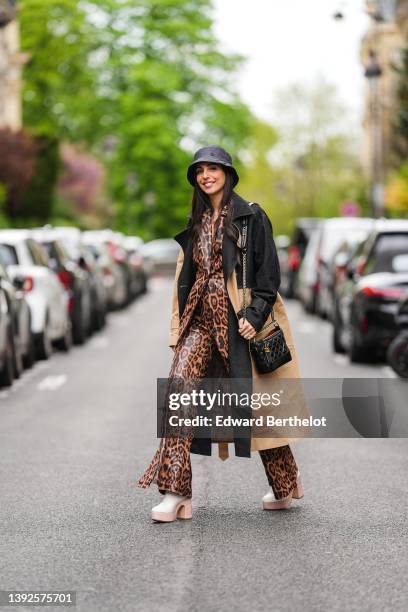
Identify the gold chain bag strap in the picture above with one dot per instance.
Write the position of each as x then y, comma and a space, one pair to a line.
272, 351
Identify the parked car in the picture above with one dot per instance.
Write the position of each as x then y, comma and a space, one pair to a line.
23, 338
73, 278
332, 273
115, 278
282, 243
307, 284
367, 300
139, 274
163, 252
304, 227
99, 294
331, 233
71, 239
7, 345
397, 353
48, 301
116, 246
343, 276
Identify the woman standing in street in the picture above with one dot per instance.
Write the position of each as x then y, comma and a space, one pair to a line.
209, 333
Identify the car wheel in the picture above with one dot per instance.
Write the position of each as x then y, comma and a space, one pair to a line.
336, 342
43, 342
29, 357
356, 352
310, 304
65, 342
79, 332
397, 355
7, 373
143, 286
18, 365
100, 318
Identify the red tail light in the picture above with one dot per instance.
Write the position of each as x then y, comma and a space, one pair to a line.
293, 257
28, 284
383, 292
65, 278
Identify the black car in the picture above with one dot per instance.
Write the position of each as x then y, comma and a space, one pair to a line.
367, 299
7, 338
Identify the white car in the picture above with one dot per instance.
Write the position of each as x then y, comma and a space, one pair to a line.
45, 294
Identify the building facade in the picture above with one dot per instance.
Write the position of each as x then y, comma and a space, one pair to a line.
11, 62
382, 44
381, 55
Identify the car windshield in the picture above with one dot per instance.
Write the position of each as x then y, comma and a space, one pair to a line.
93, 249
71, 247
335, 233
385, 254
8, 255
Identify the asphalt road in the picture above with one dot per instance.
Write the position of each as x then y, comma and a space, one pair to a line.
77, 431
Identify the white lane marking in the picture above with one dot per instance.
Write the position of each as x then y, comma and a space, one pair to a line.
341, 360
51, 383
389, 372
100, 342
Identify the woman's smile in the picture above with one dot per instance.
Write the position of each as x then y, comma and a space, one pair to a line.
210, 178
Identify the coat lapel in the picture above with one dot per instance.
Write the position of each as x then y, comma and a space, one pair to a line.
241, 209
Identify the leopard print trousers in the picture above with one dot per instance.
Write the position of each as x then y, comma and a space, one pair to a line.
171, 466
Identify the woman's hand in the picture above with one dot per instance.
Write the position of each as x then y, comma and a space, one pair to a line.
245, 329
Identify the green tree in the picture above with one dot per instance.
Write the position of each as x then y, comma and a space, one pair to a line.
309, 164
173, 93
59, 82
142, 84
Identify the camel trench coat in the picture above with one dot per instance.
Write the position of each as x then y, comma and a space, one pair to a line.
261, 382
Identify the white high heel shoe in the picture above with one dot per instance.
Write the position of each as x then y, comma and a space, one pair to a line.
172, 507
269, 501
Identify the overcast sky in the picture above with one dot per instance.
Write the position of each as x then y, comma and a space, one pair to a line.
290, 41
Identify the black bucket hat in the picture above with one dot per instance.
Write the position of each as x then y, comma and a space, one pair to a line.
216, 155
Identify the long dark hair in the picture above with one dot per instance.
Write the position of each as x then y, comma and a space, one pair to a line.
201, 202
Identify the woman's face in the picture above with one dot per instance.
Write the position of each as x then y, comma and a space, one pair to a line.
210, 178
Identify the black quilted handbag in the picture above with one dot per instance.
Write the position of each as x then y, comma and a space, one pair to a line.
272, 351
